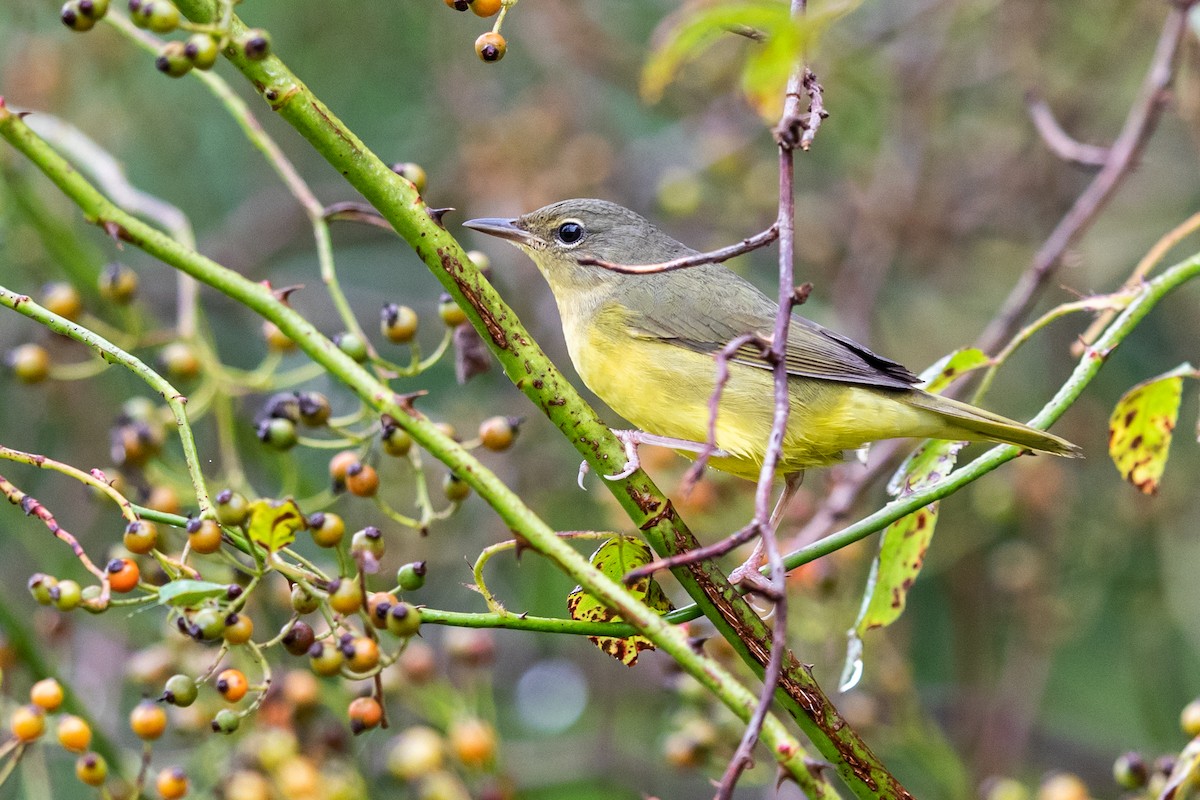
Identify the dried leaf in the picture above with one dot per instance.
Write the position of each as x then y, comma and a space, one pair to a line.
614, 558
1140, 429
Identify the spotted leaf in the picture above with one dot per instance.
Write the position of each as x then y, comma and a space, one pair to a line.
1140, 429
947, 369
274, 523
614, 558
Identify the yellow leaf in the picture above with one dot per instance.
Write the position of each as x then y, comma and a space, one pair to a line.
274, 523
1141, 426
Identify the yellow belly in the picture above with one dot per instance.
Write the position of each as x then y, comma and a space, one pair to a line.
666, 389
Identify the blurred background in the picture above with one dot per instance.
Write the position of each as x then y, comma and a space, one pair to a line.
1054, 625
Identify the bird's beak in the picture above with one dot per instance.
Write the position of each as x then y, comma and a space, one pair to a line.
502, 228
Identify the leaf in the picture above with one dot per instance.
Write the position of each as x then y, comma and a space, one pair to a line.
185, 593
946, 370
614, 558
769, 62
274, 523
905, 541
1140, 429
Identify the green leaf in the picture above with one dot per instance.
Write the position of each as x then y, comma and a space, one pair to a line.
274, 523
614, 558
946, 370
185, 593
1140, 429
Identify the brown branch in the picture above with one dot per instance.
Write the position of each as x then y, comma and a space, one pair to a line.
712, 257
1123, 157
1058, 140
33, 508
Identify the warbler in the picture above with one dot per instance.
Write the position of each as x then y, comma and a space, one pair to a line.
646, 344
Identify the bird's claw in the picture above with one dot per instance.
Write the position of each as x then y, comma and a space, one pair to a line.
584, 469
633, 461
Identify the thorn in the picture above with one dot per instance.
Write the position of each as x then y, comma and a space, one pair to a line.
800, 293
436, 215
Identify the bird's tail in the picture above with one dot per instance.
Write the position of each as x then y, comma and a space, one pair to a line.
976, 424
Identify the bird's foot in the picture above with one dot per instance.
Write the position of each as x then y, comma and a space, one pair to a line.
632, 439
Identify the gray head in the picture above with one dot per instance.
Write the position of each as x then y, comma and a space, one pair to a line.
558, 236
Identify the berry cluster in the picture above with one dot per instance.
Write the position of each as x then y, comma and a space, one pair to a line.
490, 46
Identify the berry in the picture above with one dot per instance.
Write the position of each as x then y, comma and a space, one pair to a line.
118, 283
365, 713
415, 754
403, 620
61, 297
338, 465
498, 433
207, 625
179, 360
148, 720
278, 433
411, 577
413, 173
160, 16
304, 601
455, 488
226, 721
46, 694
30, 363
123, 575
398, 323
345, 595
40, 586
325, 658
96, 9
450, 312
481, 260
362, 479
232, 685
238, 628
172, 783
352, 345
1189, 718
201, 49
327, 528
458, 5
368, 541
485, 8
472, 741
140, 537
378, 604
299, 638
172, 61
180, 690
490, 47
164, 499
67, 595
314, 408
364, 654
91, 768
204, 536
28, 723
277, 340
1130, 771
232, 507
74, 18
395, 440
256, 44
74, 733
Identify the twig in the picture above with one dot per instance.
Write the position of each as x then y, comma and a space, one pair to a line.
34, 508
712, 257
1122, 158
1058, 140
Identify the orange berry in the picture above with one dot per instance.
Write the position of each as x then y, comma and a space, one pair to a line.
491, 47
140, 536
28, 723
123, 575
46, 693
378, 605
232, 685
345, 595
339, 464
472, 741
238, 628
204, 536
485, 8
365, 654
172, 783
362, 479
365, 713
74, 733
148, 720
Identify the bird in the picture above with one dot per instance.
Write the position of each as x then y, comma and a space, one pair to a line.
646, 344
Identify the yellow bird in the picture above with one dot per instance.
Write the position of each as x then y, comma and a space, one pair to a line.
645, 344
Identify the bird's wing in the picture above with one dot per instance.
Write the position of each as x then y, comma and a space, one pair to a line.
812, 352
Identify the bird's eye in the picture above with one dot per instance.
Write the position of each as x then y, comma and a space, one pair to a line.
570, 232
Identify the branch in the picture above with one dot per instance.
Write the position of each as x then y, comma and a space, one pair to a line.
1058, 140
712, 257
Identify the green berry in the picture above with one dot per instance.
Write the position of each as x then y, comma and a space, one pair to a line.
398, 323
202, 50
403, 620
411, 576
208, 624
40, 585
171, 60
73, 17
326, 658
226, 721
232, 507
455, 488
1130, 771
278, 433
303, 601
180, 690
67, 595
95, 9
395, 440
352, 345
314, 408
368, 541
